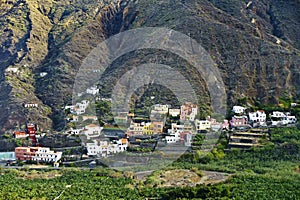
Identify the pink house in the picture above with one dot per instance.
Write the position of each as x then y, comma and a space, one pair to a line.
186, 138
238, 121
188, 111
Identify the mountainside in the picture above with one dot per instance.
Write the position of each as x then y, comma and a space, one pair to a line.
256, 45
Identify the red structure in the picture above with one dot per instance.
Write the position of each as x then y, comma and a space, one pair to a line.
31, 131
25, 153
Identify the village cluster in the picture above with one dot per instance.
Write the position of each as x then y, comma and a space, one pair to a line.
184, 126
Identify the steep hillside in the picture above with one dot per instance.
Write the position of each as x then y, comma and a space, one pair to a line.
255, 44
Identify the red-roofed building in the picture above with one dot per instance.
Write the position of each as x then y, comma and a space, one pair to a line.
20, 134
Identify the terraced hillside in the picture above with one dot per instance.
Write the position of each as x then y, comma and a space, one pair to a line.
255, 45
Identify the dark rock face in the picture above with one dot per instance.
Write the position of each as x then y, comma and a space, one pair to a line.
255, 45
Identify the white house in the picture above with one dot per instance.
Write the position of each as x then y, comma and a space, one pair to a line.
180, 127
69, 107
238, 109
278, 118
117, 146
135, 129
291, 119
174, 112
277, 114
92, 131
174, 138
258, 116
44, 154
105, 148
97, 148
175, 127
161, 109
183, 137
75, 131
31, 105
202, 125
103, 99
80, 108
92, 90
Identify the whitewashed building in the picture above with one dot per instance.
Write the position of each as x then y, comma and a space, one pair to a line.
182, 137
258, 116
92, 131
135, 129
44, 154
75, 131
202, 125
238, 109
80, 108
105, 148
173, 138
92, 90
291, 119
161, 109
278, 118
180, 127
31, 105
174, 112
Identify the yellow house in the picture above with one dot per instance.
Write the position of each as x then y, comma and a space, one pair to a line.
148, 129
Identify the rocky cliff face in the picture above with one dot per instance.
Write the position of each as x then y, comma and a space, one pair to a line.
255, 44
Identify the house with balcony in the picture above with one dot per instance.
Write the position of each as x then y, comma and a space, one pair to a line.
161, 109
92, 131
135, 129
105, 148
278, 118
181, 127
25, 153
238, 121
258, 118
44, 154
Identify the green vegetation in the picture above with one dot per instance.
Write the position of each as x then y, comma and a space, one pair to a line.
270, 172
103, 110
